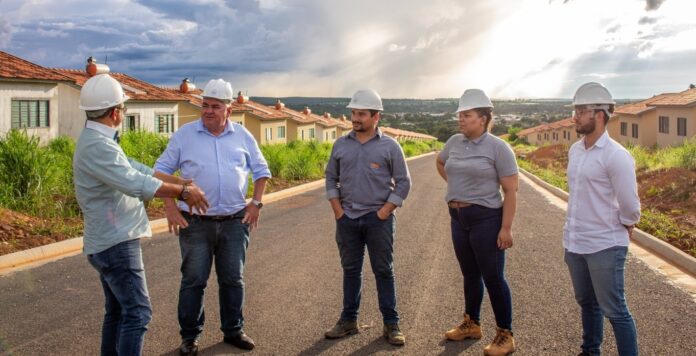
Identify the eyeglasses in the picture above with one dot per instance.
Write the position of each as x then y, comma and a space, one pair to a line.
122, 109
581, 112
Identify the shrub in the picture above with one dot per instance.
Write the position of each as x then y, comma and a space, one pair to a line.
27, 173
143, 146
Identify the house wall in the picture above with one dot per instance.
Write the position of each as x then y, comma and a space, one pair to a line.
273, 125
71, 119
188, 113
148, 110
647, 128
30, 91
671, 138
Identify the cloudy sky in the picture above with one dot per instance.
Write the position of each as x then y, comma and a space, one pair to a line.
401, 48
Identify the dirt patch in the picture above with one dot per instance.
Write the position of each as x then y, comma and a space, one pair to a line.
554, 156
21, 232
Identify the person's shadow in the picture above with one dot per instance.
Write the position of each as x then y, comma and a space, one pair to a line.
320, 346
217, 349
456, 347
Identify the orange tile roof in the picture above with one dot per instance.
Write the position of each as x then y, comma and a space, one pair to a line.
262, 111
640, 107
299, 116
684, 98
568, 122
16, 68
136, 89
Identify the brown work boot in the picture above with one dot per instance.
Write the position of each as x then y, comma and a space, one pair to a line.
393, 335
341, 329
468, 329
503, 344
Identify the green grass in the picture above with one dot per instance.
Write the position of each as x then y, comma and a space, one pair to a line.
551, 176
683, 156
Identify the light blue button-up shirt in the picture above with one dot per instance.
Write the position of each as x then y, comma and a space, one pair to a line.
219, 165
110, 189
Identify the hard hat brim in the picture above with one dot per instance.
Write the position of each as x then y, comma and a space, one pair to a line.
465, 108
364, 107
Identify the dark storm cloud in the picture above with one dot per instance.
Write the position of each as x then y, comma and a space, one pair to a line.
651, 5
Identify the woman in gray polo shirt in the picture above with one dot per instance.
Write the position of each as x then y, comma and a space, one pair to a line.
476, 165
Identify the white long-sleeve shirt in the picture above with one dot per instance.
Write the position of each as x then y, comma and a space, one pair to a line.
603, 196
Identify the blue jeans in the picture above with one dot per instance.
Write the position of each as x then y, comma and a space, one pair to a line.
475, 237
202, 240
598, 281
127, 303
352, 235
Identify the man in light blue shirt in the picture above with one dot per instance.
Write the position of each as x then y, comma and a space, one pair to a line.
110, 189
218, 155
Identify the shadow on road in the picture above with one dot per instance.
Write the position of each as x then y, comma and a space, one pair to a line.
457, 347
378, 344
320, 346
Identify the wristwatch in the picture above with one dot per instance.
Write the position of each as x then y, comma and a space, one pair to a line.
257, 203
185, 194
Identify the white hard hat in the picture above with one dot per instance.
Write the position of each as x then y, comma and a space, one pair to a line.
366, 99
592, 94
218, 89
101, 92
472, 99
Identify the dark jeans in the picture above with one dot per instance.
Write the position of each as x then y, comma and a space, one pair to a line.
352, 235
202, 240
598, 282
127, 303
474, 235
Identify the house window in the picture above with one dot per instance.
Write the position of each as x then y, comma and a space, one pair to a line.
664, 124
333, 133
29, 113
164, 123
281, 131
624, 128
634, 130
539, 137
302, 134
681, 126
131, 122
269, 133
311, 133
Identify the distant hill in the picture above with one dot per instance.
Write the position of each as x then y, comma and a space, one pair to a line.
436, 116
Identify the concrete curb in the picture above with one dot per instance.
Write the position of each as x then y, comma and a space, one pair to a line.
57, 250
649, 242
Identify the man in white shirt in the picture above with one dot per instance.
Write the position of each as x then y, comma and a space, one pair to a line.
603, 208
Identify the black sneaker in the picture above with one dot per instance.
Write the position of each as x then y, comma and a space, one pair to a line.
241, 341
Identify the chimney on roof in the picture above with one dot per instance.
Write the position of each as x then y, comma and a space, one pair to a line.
93, 68
307, 110
186, 86
279, 105
241, 99
327, 115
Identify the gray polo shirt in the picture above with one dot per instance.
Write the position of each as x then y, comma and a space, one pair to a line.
474, 169
364, 176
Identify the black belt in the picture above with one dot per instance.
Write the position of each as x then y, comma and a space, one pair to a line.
238, 215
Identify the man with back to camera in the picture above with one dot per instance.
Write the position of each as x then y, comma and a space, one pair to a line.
603, 208
219, 155
110, 189
366, 180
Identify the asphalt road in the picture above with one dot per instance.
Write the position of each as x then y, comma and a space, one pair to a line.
293, 280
